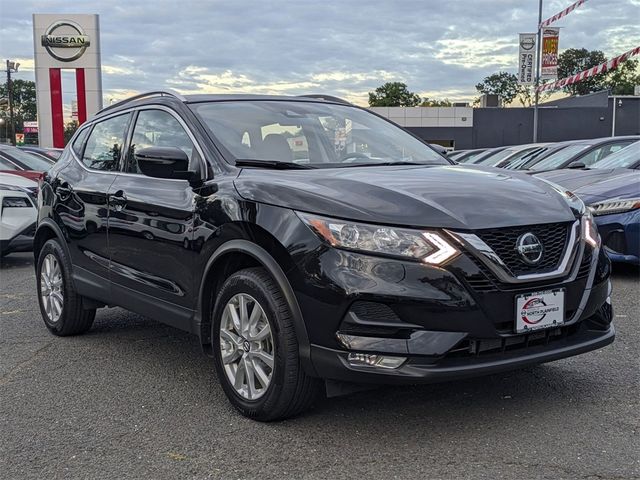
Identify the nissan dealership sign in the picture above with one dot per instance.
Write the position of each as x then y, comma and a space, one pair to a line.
65, 42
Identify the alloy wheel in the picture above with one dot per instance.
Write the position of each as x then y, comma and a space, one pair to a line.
246, 346
51, 287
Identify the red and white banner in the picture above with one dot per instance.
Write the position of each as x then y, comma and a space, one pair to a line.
561, 14
591, 72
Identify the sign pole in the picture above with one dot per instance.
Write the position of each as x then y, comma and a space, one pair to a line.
537, 83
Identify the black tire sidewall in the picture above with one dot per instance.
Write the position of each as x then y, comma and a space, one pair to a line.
243, 282
54, 248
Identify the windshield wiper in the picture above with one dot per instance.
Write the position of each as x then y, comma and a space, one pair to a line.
277, 164
383, 164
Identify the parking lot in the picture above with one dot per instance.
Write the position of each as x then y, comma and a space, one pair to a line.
137, 399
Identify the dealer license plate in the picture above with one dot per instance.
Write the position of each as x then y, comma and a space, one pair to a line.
535, 311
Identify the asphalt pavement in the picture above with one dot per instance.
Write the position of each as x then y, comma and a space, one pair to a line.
136, 399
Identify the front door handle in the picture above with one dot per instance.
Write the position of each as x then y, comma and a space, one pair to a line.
118, 200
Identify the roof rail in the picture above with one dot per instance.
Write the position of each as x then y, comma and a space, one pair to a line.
153, 93
330, 98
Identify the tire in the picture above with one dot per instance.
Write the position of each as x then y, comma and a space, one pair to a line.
290, 390
68, 317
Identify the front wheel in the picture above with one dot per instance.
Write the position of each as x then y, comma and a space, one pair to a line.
60, 305
256, 349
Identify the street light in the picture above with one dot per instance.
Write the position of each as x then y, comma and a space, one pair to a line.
11, 67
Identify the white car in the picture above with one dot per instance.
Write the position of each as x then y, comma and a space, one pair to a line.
18, 213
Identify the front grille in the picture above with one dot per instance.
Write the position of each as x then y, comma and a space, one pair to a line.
502, 241
585, 266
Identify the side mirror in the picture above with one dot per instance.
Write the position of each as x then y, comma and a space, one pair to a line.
577, 165
165, 162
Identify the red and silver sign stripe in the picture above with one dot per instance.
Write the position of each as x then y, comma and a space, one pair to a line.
591, 72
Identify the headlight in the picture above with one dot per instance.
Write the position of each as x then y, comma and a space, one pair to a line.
614, 206
428, 247
590, 230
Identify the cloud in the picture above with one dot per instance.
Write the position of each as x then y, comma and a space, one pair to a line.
440, 49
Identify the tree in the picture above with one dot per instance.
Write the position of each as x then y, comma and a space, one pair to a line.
503, 84
393, 94
430, 102
69, 130
575, 60
623, 79
24, 99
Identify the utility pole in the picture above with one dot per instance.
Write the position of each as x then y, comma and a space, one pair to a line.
537, 83
11, 66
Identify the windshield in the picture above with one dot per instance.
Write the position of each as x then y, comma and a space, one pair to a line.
27, 160
309, 133
496, 157
625, 158
556, 160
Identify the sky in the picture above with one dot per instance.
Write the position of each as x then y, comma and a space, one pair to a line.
440, 49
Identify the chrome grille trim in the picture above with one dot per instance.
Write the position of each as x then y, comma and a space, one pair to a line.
483, 252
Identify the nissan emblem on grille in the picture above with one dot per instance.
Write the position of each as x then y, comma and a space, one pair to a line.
529, 248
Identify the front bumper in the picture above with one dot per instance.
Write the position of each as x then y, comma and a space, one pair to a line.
451, 322
333, 364
620, 234
21, 242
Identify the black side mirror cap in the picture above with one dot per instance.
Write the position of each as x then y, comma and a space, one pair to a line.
165, 162
577, 165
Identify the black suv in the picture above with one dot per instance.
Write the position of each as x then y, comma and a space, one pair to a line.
311, 244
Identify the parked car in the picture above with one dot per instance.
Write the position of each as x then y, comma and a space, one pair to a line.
467, 156
512, 154
611, 187
52, 154
490, 152
615, 164
303, 263
15, 161
530, 158
17, 213
582, 153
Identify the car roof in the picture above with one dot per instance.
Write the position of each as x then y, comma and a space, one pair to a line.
167, 96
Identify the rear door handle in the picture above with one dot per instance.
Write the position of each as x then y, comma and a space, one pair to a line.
118, 200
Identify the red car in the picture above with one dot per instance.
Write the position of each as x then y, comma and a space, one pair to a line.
13, 160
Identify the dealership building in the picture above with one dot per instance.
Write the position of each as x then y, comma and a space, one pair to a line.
589, 116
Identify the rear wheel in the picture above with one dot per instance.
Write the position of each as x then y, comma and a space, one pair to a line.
60, 305
256, 349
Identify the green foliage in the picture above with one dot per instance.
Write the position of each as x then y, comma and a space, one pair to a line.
623, 79
575, 60
430, 102
502, 83
69, 130
393, 94
24, 99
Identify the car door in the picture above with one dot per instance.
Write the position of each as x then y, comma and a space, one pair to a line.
80, 192
151, 225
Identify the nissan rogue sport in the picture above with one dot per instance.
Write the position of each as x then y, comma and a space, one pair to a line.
311, 244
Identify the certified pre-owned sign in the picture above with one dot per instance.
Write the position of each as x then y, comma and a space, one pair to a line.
65, 41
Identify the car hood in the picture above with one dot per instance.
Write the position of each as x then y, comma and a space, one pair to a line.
573, 179
457, 197
623, 185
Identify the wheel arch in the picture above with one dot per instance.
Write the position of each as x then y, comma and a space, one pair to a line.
47, 229
234, 255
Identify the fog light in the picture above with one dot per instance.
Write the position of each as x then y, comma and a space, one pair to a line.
368, 360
